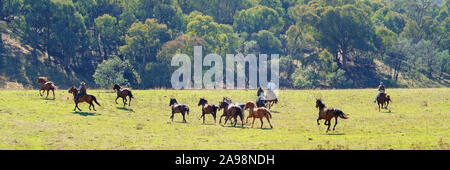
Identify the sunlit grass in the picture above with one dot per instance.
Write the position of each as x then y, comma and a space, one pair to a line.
419, 119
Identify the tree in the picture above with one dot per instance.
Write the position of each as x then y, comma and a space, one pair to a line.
109, 34
110, 72
268, 42
258, 18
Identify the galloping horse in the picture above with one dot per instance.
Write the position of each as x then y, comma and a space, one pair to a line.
84, 98
123, 93
258, 112
207, 109
178, 108
231, 111
383, 99
328, 114
266, 100
46, 85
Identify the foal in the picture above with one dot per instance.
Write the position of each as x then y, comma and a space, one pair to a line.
258, 112
207, 109
328, 114
178, 108
123, 93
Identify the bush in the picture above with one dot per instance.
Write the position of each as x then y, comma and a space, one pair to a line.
110, 72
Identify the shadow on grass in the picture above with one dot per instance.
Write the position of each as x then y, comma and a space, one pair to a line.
84, 113
335, 133
48, 98
125, 109
273, 111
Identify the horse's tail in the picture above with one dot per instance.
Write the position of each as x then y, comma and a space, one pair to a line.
341, 114
95, 100
187, 110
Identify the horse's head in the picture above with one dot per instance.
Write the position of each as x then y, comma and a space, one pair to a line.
249, 105
223, 105
116, 86
42, 80
202, 102
319, 103
73, 90
173, 101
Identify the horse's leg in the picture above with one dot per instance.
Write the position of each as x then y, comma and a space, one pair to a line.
318, 121
47, 93
182, 112
93, 106
214, 116
78, 107
253, 121
379, 107
129, 103
124, 102
261, 121
203, 118
40, 92
267, 117
329, 124
116, 99
53, 91
171, 117
334, 127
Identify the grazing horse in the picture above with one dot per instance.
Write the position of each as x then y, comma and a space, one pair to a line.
259, 112
231, 111
46, 85
383, 99
123, 93
84, 98
178, 108
207, 109
328, 114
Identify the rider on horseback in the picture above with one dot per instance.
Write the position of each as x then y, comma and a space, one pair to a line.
82, 91
381, 90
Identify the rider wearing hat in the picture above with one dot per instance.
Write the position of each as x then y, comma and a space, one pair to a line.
381, 90
82, 92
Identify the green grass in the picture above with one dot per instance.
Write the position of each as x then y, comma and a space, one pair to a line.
419, 119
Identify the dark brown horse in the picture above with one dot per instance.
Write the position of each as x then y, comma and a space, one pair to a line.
123, 93
231, 111
328, 114
382, 100
46, 85
258, 112
207, 109
178, 108
84, 98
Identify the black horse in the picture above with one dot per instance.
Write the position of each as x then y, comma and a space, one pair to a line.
260, 99
178, 108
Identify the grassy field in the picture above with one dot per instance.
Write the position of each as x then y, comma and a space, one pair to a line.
419, 119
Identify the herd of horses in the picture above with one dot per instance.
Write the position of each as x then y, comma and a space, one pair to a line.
231, 111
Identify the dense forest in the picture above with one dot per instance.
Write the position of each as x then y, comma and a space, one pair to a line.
322, 43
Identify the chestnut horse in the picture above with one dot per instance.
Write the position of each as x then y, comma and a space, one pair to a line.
123, 93
258, 112
46, 85
328, 114
178, 108
231, 111
383, 99
84, 98
207, 109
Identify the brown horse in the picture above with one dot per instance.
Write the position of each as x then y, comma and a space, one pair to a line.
383, 99
259, 112
328, 114
231, 111
123, 93
178, 108
46, 85
207, 109
84, 98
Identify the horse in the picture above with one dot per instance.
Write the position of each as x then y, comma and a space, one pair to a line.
231, 111
383, 99
84, 98
258, 112
178, 108
207, 109
46, 85
328, 114
123, 93
229, 101
265, 100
